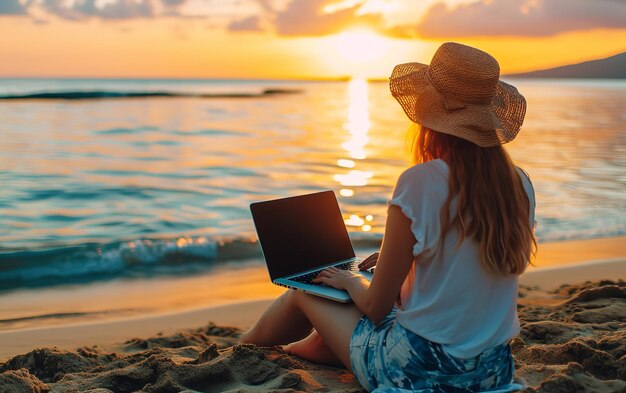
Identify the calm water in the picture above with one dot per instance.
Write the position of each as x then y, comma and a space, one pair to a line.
99, 188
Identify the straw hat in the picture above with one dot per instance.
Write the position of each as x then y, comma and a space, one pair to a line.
460, 94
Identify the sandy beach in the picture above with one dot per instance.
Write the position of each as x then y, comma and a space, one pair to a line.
572, 317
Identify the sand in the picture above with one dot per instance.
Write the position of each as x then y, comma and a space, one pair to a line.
573, 339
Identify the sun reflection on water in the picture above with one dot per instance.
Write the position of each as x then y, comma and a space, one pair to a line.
357, 125
346, 163
354, 178
346, 192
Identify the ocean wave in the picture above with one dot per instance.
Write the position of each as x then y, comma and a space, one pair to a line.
91, 261
137, 258
144, 258
104, 94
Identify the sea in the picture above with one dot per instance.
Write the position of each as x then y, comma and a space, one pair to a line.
111, 178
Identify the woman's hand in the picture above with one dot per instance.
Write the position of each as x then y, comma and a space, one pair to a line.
336, 278
369, 262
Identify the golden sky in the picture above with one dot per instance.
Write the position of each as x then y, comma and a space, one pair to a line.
294, 38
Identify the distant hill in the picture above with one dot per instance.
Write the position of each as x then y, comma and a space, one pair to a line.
611, 67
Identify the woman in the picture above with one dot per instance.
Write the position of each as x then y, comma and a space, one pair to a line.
459, 232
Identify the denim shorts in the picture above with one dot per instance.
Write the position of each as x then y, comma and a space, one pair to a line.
388, 358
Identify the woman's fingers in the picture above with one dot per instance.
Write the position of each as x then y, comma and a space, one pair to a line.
323, 273
333, 277
323, 276
367, 264
369, 261
327, 272
373, 257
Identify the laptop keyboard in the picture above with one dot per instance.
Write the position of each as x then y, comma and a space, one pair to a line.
308, 278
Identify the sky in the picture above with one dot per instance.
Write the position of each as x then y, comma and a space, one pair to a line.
294, 38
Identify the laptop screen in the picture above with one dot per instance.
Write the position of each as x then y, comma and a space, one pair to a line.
301, 233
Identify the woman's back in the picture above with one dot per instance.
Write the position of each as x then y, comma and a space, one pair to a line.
448, 296
458, 305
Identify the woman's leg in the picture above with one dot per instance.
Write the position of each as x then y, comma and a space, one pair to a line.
292, 316
282, 323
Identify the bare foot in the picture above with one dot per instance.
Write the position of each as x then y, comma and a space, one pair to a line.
313, 349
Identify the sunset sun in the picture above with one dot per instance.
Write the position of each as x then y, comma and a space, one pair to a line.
360, 46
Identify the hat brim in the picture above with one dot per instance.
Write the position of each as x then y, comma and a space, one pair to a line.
486, 125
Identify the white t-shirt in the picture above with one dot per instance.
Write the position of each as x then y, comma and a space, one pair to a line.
449, 298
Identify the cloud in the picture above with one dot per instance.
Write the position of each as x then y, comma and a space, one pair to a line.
84, 9
438, 19
434, 19
12, 7
284, 17
306, 17
111, 10
251, 23
519, 18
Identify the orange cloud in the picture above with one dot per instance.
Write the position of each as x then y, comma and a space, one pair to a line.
305, 18
251, 23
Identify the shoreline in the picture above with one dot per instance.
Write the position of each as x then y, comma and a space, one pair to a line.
551, 278
107, 313
226, 283
570, 252
128, 299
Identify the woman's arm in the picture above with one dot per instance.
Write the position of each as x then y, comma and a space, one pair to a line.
396, 256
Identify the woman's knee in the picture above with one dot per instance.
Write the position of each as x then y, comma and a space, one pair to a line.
297, 296
293, 298
248, 337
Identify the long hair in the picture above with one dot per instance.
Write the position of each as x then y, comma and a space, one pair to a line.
493, 208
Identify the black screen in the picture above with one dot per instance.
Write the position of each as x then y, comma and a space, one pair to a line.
301, 233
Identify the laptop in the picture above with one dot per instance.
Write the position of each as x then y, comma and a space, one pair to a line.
301, 236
